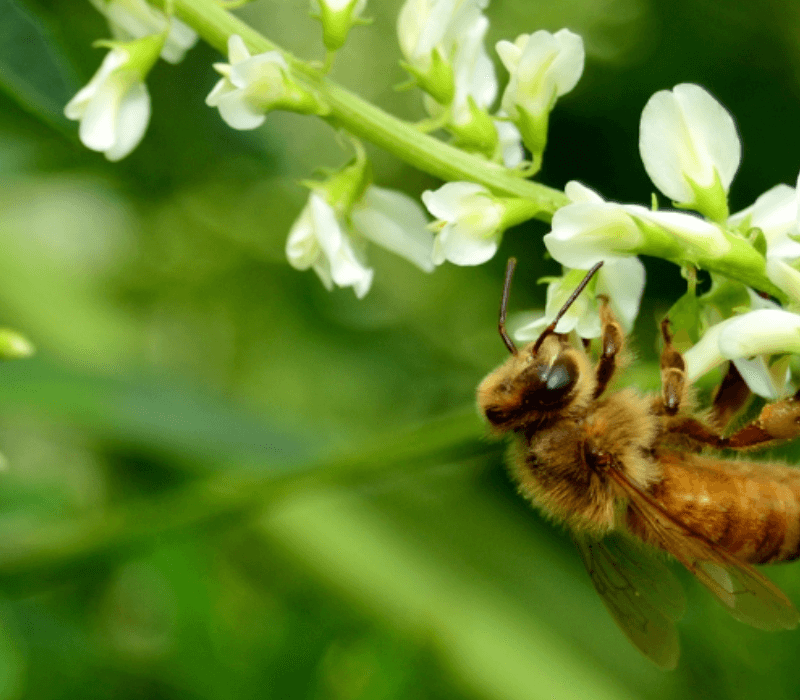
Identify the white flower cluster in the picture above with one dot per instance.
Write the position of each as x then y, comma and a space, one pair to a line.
443, 44
687, 141
691, 151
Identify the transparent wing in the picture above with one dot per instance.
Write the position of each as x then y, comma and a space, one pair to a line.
640, 592
746, 594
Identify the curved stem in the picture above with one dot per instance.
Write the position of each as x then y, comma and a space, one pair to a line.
366, 121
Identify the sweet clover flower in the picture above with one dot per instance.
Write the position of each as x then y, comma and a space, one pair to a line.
430, 32
333, 238
542, 67
747, 340
690, 148
469, 223
251, 86
621, 280
114, 107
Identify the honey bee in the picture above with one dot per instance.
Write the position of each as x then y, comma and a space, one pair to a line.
630, 474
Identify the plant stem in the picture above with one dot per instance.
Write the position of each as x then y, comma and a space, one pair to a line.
366, 121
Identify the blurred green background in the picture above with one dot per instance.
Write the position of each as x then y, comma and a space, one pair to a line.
225, 482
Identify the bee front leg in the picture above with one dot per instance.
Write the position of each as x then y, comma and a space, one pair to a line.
673, 373
612, 339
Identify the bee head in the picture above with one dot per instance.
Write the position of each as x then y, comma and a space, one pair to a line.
538, 382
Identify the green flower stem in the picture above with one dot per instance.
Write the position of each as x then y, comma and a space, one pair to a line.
366, 121
430, 155
740, 261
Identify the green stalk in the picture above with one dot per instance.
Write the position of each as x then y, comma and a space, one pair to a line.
366, 121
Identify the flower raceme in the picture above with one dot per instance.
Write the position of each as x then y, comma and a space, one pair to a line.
114, 107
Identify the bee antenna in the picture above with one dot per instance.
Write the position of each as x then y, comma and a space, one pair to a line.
572, 297
501, 326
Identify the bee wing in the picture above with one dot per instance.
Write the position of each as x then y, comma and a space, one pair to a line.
748, 596
640, 592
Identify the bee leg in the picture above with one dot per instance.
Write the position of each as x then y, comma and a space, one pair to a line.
778, 421
730, 397
612, 339
673, 373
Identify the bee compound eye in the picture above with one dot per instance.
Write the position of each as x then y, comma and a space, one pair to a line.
559, 377
556, 380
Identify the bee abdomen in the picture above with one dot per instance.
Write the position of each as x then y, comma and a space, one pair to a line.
750, 510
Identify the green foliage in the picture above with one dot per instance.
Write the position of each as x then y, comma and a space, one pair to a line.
224, 482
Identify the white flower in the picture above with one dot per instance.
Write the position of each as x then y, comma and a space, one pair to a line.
248, 86
396, 222
542, 67
746, 340
473, 70
251, 86
690, 148
317, 240
114, 107
469, 223
324, 240
776, 214
135, 19
590, 229
620, 279
430, 34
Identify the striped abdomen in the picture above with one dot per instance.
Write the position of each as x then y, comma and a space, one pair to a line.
751, 510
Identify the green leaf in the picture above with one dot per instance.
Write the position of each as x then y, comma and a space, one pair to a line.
35, 70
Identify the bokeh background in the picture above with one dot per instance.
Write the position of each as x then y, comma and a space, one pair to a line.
224, 482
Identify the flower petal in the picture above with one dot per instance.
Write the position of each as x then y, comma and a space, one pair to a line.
686, 133
396, 222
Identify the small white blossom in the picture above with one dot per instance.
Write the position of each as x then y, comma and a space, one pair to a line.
690, 148
621, 280
251, 86
776, 214
135, 19
114, 107
590, 229
469, 223
542, 67
248, 86
334, 245
747, 340
473, 71
430, 34
317, 240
